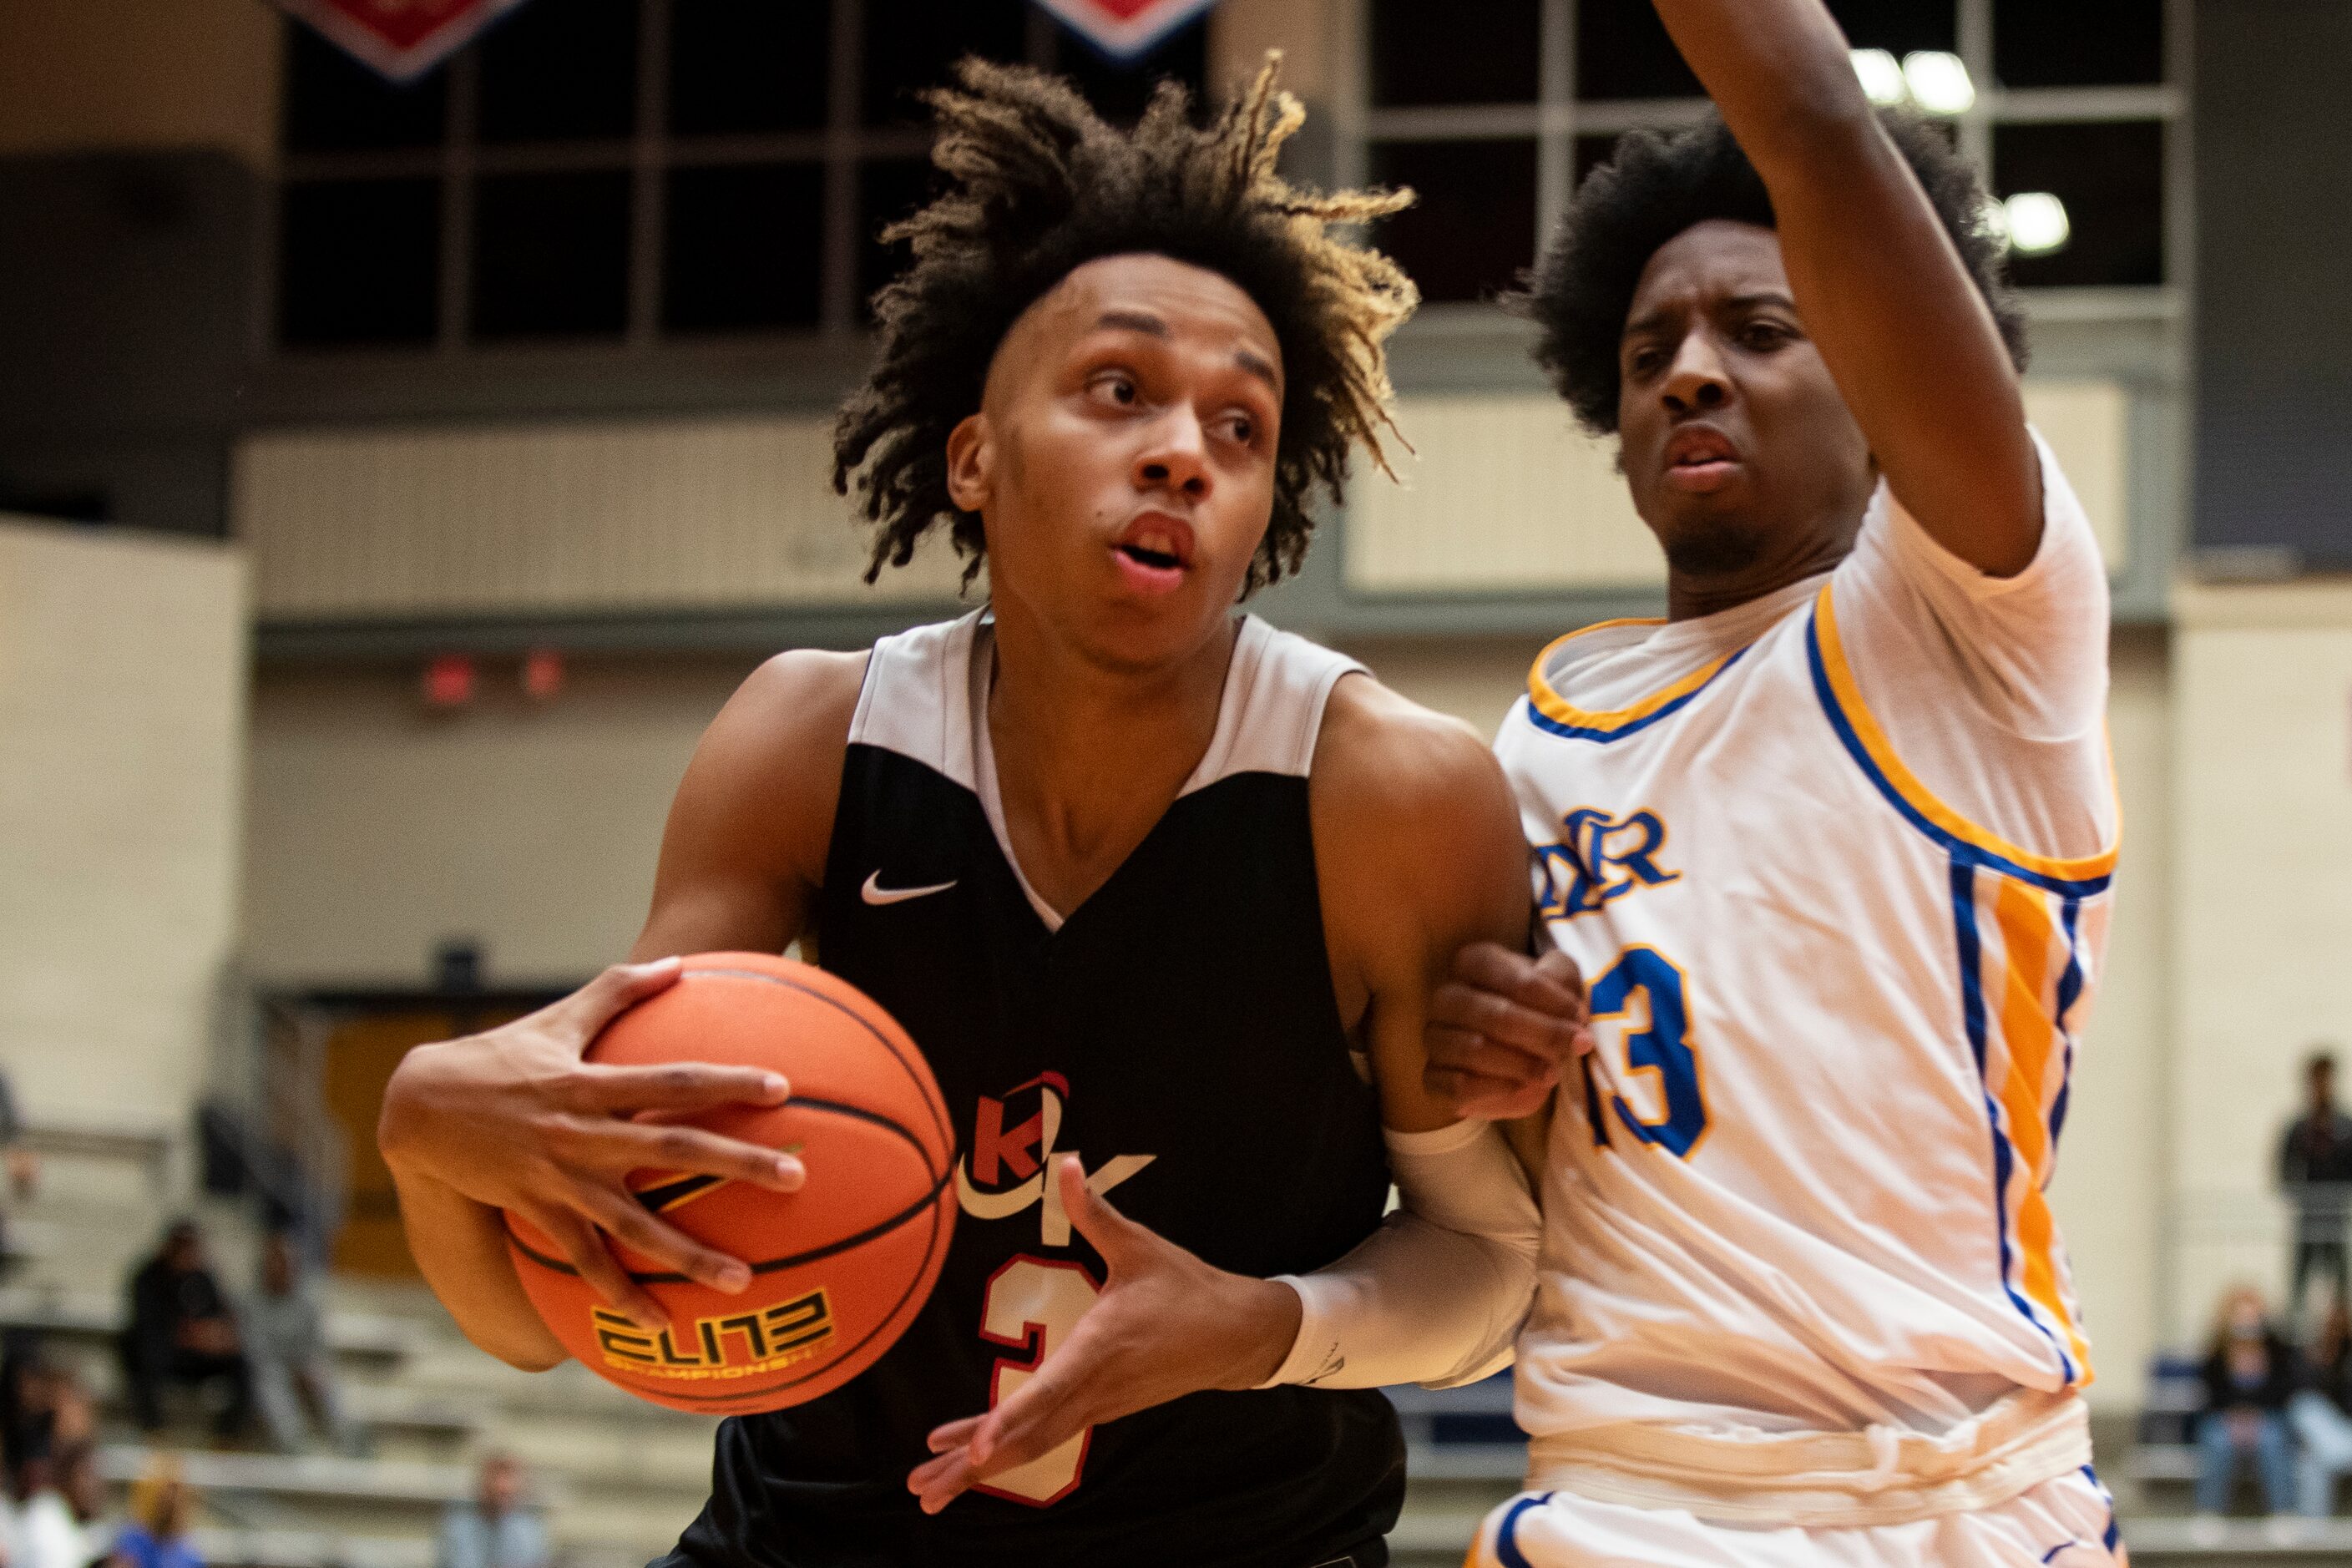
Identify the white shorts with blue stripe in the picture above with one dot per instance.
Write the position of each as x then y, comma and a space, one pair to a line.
2069, 1523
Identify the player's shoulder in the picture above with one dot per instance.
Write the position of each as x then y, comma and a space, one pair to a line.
1416, 831
1391, 772
795, 700
1407, 755
768, 770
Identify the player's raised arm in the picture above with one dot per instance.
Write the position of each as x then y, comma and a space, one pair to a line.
514, 1118
1885, 295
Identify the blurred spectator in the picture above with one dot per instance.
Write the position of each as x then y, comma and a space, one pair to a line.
43, 1407
2314, 1166
285, 1339
157, 1534
59, 1498
23, 1166
497, 1530
2321, 1416
182, 1330
2251, 1373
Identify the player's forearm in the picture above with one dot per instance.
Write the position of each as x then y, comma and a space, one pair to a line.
1437, 1294
1879, 282
1778, 69
460, 1248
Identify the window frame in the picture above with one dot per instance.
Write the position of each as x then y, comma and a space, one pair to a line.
843, 148
1557, 117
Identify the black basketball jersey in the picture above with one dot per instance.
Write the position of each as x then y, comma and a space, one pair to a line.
1179, 1032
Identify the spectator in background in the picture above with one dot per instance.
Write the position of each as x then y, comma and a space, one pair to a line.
182, 1330
2314, 1166
285, 1339
43, 1407
496, 1530
23, 1166
2321, 1416
2251, 1373
59, 1498
161, 1505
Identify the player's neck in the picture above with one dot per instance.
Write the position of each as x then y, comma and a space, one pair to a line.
1693, 594
1088, 758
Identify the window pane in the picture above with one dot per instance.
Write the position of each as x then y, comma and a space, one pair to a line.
2079, 43
910, 43
2111, 178
1900, 26
334, 104
1466, 51
1120, 91
749, 65
888, 190
551, 255
562, 72
743, 247
358, 262
1473, 227
1622, 51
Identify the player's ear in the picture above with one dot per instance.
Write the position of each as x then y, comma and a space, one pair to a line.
971, 458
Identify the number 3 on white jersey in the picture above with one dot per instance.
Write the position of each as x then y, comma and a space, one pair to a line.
1644, 996
1031, 1304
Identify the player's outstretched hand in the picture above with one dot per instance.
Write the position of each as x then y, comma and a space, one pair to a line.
1166, 1325
1503, 1030
515, 1118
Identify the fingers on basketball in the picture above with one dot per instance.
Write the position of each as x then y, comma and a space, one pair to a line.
584, 1247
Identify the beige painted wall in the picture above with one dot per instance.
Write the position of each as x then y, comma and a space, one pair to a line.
123, 685
138, 73
379, 829
2263, 924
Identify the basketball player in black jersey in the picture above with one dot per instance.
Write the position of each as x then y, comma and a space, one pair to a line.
1160, 891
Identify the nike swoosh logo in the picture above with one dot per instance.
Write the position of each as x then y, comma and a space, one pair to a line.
874, 892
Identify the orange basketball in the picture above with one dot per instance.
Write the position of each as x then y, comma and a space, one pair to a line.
838, 1268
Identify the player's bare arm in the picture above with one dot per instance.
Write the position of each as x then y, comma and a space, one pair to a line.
1877, 284
1418, 854
513, 1117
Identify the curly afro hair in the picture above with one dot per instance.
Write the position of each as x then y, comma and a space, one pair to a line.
1659, 184
1038, 185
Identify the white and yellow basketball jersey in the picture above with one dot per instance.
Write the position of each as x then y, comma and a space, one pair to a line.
1800, 1184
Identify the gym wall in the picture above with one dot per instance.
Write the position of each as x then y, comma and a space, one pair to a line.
122, 704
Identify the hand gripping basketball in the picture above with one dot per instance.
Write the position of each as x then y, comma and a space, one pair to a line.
514, 1118
1503, 1030
1166, 1325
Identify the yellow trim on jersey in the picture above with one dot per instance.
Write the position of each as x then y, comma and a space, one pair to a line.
2033, 953
1555, 707
1920, 797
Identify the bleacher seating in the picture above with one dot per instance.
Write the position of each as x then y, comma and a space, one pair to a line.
620, 1477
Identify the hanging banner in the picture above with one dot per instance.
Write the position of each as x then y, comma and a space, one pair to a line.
1125, 29
401, 39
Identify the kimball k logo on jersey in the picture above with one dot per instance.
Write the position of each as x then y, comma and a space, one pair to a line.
1009, 1165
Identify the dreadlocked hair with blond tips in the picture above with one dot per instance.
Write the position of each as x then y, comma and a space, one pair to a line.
1040, 186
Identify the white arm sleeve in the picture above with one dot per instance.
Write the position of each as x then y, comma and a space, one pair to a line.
1437, 1294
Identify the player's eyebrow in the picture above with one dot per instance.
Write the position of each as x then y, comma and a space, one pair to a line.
1661, 319
1142, 321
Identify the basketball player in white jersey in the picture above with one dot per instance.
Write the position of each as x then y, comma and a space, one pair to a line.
1832, 845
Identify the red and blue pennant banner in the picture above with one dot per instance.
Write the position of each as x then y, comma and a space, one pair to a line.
401, 39
1125, 29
